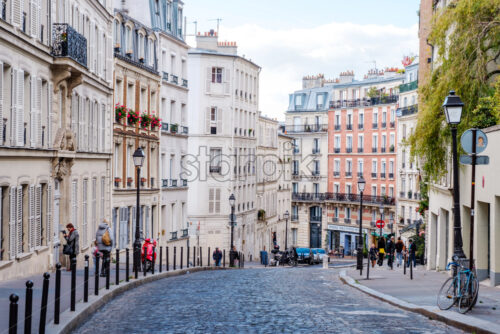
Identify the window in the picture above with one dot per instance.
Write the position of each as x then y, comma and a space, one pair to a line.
375, 118
337, 120
336, 212
374, 167
337, 167
298, 100
316, 188
84, 213
213, 120
215, 160
375, 141
374, 191
214, 200
349, 143
361, 120
348, 167
141, 46
320, 100
294, 236
117, 32
360, 167
392, 115
216, 74
337, 143
361, 143
348, 211
336, 188
295, 187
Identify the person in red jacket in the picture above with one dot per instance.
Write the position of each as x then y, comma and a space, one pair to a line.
147, 249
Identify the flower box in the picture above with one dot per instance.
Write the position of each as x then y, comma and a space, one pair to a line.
132, 117
145, 120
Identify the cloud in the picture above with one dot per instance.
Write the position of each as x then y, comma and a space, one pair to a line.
287, 55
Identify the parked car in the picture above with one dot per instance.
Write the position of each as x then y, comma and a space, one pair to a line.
319, 253
305, 255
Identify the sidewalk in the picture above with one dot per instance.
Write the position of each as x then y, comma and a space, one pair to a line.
421, 292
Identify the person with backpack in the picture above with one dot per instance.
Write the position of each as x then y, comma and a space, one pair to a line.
381, 250
399, 251
72, 247
104, 238
391, 247
412, 248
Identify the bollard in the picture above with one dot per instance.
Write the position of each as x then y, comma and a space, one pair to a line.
127, 264
96, 276
194, 256
137, 263
411, 270
13, 313
201, 258
239, 259
28, 307
208, 257
175, 257
404, 265
187, 257
167, 258
43, 309
117, 280
86, 280
368, 267
57, 299
161, 257
144, 265
73, 283
224, 258
108, 267
182, 256
243, 262
153, 261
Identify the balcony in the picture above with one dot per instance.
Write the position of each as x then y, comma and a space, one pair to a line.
361, 126
347, 220
391, 176
152, 182
405, 111
164, 76
315, 173
349, 126
374, 175
360, 174
365, 102
164, 126
382, 149
184, 83
382, 175
403, 165
173, 236
295, 173
337, 127
185, 232
360, 150
174, 128
384, 125
392, 124
348, 149
391, 148
410, 194
315, 151
336, 174
173, 183
402, 194
335, 219
164, 183
374, 150
184, 130
174, 79
408, 86
67, 42
375, 126
215, 169
348, 174
306, 128
316, 218
184, 182
342, 197
336, 150
296, 150
295, 218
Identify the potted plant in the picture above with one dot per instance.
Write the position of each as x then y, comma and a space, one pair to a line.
132, 117
391, 148
250, 131
117, 181
120, 112
155, 122
174, 127
145, 120
261, 214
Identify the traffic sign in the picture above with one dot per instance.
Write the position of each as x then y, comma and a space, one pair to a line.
480, 160
380, 223
481, 141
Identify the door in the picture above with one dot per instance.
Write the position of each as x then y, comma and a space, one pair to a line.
57, 227
315, 237
347, 244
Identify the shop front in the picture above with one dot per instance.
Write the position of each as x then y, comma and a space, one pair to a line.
344, 239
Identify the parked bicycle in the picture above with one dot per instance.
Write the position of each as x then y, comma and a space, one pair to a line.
462, 288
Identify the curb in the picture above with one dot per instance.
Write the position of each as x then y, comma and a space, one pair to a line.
343, 266
460, 321
71, 320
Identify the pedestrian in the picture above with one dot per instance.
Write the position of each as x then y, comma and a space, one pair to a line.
411, 254
95, 251
342, 251
373, 255
381, 250
72, 247
104, 239
391, 247
217, 256
236, 256
399, 251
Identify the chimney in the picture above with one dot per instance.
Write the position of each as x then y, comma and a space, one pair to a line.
228, 47
124, 6
346, 77
207, 41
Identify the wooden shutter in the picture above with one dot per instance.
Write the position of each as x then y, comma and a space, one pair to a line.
1, 103
20, 108
92, 47
19, 220
219, 121
209, 80
38, 109
33, 111
211, 196
34, 18
96, 127
84, 213
227, 77
31, 216
81, 135
12, 224
103, 190
147, 223
207, 120
38, 215
49, 115
217, 200
90, 125
74, 204
94, 204
134, 214
74, 117
49, 223
16, 12
100, 47
13, 110
109, 59
103, 127
123, 228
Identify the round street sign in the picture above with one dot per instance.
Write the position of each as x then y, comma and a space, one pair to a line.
481, 141
380, 223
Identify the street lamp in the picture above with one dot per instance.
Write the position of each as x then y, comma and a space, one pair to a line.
361, 188
138, 158
232, 201
453, 106
286, 216
381, 209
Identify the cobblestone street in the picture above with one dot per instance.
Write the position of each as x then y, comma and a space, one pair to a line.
291, 300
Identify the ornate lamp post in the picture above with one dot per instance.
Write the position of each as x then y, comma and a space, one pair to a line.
453, 106
232, 222
286, 215
381, 209
361, 188
138, 157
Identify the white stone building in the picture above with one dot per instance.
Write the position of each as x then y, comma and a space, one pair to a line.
55, 120
222, 114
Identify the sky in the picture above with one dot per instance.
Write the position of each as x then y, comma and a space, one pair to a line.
290, 39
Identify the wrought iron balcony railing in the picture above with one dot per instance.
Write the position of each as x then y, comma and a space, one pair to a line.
364, 102
408, 86
342, 197
306, 128
184, 83
174, 79
67, 42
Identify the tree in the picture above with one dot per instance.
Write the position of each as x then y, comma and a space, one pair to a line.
466, 35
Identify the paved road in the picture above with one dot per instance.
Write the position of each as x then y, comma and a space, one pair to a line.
284, 300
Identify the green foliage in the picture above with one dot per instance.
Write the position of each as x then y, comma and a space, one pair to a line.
420, 245
373, 92
467, 37
423, 205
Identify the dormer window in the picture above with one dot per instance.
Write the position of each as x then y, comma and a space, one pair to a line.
141, 47
298, 100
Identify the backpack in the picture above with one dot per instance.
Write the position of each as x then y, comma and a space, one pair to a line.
106, 239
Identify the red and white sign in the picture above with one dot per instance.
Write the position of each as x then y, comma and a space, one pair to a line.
380, 223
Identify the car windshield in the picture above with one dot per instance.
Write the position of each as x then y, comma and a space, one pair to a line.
321, 251
314, 251
302, 250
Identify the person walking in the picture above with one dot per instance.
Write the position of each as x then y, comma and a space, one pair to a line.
391, 247
217, 256
104, 239
72, 247
95, 251
373, 255
381, 250
412, 248
399, 251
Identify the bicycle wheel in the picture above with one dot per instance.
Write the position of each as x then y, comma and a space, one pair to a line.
468, 296
447, 295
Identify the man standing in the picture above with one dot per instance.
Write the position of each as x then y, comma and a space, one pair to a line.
399, 251
381, 250
217, 256
411, 253
390, 251
104, 238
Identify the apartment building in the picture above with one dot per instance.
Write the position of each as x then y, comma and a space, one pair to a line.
222, 115
55, 120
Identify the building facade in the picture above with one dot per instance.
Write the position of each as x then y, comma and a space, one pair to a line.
55, 115
222, 116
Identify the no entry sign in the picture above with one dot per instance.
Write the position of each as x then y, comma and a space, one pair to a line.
380, 223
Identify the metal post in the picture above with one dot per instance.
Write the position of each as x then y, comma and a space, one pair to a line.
182, 256
458, 251
137, 242
73, 284
167, 259
13, 307
153, 262
360, 245
368, 267
224, 258
86, 280
144, 264
411, 270
57, 299
127, 264
194, 256
175, 257
208, 257
187, 257
117, 280
96, 276
28, 307
286, 233
472, 200
404, 264
108, 267
161, 257
43, 309
201, 258
231, 251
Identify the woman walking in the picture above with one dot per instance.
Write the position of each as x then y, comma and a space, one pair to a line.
373, 255
381, 250
72, 247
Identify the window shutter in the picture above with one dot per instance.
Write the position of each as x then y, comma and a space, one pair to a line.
90, 125
96, 125
31, 216
19, 220
134, 214
94, 203
123, 228
48, 228
20, 108
34, 18
147, 223
33, 134
109, 59
1, 103
74, 208
38, 216
103, 204
99, 52
12, 223
209, 80
38, 110
227, 77
80, 124
219, 121
217, 201
92, 47
13, 111
16, 12
211, 200
84, 213
74, 116
49, 115
207, 120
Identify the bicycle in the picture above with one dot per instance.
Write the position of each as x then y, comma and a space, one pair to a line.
462, 288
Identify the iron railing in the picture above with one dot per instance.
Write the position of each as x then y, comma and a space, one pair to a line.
405, 111
364, 102
342, 197
408, 86
67, 42
306, 128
